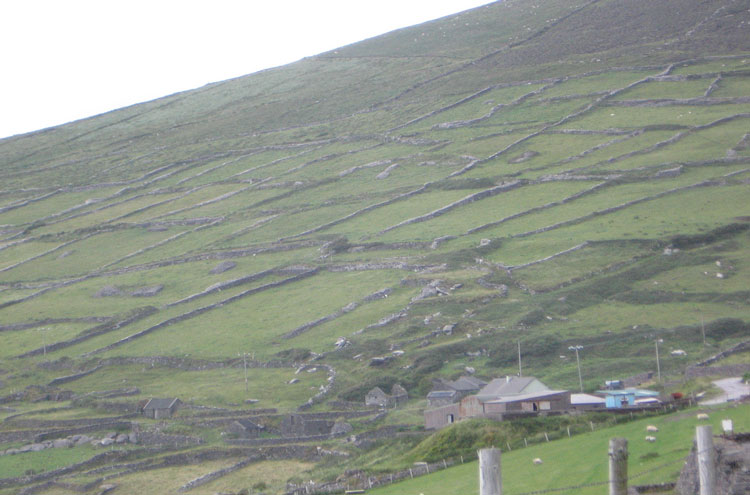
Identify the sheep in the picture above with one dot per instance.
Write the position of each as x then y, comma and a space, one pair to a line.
702, 416
652, 429
537, 461
650, 439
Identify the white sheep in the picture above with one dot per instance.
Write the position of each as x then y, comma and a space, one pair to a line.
650, 439
652, 428
537, 461
702, 416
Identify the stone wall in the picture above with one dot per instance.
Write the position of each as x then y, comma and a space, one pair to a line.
726, 370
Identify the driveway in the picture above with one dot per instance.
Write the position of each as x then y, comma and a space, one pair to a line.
733, 389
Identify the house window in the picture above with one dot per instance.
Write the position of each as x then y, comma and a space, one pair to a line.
544, 405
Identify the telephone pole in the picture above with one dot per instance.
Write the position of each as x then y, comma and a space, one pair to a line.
519, 359
578, 361
658, 367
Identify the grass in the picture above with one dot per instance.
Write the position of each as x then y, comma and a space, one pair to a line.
558, 470
160, 193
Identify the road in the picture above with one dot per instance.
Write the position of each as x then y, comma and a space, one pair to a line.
733, 389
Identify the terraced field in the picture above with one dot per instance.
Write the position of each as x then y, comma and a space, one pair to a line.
517, 171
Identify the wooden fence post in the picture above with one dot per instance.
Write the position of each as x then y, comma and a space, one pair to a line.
618, 466
706, 464
490, 479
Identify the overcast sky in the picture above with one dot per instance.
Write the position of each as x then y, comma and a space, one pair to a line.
63, 60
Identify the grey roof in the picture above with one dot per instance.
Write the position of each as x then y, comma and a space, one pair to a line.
520, 397
437, 394
579, 399
467, 383
160, 403
249, 425
512, 385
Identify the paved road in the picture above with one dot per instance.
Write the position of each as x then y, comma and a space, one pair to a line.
733, 389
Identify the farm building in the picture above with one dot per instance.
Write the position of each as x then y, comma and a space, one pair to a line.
447, 392
160, 408
629, 397
244, 428
298, 425
501, 398
586, 402
377, 397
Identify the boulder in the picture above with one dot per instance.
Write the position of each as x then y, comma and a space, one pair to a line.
36, 447
133, 437
223, 267
83, 440
122, 438
106, 441
62, 443
108, 291
147, 291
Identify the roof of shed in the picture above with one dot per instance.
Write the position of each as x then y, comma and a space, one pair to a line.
160, 403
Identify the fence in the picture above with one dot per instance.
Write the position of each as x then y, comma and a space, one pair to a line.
364, 482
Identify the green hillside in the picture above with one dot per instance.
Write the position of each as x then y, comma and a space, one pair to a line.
549, 173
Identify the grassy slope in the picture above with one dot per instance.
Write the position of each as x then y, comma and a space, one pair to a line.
380, 147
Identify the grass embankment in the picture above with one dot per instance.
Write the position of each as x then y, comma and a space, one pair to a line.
583, 459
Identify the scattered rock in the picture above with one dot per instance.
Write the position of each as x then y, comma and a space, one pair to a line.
526, 155
147, 291
65, 254
223, 267
108, 291
62, 443
484, 242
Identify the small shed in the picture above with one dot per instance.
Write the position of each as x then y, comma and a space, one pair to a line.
616, 399
376, 397
244, 428
438, 398
399, 395
161, 408
586, 402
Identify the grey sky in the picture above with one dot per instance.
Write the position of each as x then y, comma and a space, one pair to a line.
66, 60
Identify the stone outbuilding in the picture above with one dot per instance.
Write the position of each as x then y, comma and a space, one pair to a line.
299, 425
377, 397
161, 408
500, 399
244, 428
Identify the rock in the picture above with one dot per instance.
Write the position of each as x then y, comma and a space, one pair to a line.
133, 437
292, 381
526, 155
484, 242
25, 448
223, 267
62, 443
108, 291
147, 291
121, 438
380, 361
106, 441
111, 434
12, 451
84, 439
448, 329
36, 447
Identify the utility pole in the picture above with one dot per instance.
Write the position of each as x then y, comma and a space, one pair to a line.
703, 330
658, 367
519, 359
578, 362
618, 466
